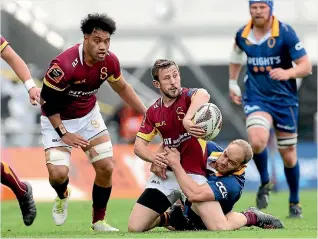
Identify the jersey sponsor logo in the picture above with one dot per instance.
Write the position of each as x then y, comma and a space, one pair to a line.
180, 113
75, 62
248, 108
287, 127
159, 124
55, 73
80, 82
264, 61
222, 189
176, 142
103, 73
299, 46
79, 93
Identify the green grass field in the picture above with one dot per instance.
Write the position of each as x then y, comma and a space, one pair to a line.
78, 222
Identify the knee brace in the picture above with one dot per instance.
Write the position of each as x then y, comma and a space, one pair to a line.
285, 142
257, 121
103, 150
58, 157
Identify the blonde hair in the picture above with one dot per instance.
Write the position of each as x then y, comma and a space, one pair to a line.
247, 149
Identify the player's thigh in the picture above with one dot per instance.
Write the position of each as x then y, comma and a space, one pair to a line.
150, 205
258, 124
100, 153
285, 123
211, 214
58, 163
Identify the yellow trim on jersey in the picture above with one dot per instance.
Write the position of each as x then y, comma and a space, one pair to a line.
113, 79
3, 45
275, 28
147, 137
202, 144
215, 154
52, 86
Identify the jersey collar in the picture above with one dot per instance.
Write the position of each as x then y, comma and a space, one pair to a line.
275, 28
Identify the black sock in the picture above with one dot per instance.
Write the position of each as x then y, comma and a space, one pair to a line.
60, 189
100, 199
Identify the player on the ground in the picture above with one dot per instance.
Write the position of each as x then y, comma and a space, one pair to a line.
22, 190
213, 201
71, 116
170, 117
271, 93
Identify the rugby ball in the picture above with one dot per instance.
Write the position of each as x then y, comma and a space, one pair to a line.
209, 117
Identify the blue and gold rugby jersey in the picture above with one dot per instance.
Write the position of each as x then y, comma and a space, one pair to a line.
277, 49
227, 189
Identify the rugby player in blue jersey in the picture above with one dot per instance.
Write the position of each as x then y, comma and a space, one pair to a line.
209, 205
270, 97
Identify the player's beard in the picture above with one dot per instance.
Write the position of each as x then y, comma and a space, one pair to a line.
260, 22
171, 95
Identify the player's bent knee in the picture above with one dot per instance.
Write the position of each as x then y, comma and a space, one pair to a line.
100, 151
104, 167
57, 157
286, 142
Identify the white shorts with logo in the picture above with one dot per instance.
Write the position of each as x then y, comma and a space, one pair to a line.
170, 186
88, 126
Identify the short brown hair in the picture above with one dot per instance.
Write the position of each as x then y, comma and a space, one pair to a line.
159, 65
247, 149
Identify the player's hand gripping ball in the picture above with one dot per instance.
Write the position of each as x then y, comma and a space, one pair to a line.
209, 117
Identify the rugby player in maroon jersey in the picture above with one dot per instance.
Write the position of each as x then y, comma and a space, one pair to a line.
71, 115
22, 190
170, 117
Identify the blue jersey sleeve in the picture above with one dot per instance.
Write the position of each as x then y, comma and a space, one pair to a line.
225, 188
295, 46
213, 147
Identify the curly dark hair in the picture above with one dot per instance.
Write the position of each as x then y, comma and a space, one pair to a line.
159, 65
98, 21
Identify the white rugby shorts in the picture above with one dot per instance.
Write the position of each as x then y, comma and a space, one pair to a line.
87, 126
170, 186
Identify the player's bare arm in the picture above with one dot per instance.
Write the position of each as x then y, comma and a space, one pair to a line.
128, 94
198, 99
193, 191
235, 67
22, 71
303, 68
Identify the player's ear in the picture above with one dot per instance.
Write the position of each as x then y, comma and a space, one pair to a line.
85, 38
156, 84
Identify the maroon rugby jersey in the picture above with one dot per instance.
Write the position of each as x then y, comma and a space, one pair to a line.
167, 121
4, 43
69, 73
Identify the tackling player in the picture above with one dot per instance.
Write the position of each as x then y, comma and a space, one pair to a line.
71, 116
214, 200
271, 93
22, 190
171, 118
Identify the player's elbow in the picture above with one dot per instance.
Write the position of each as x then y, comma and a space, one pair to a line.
309, 68
204, 95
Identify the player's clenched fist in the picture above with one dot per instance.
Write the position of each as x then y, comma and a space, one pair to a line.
279, 74
74, 140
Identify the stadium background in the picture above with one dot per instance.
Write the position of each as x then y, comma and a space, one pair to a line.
198, 37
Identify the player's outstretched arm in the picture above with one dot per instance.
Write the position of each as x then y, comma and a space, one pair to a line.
22, 71
128, 94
